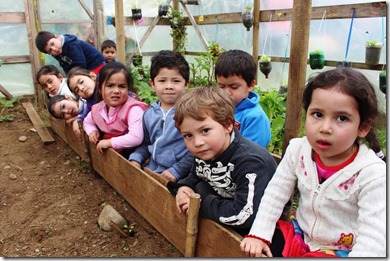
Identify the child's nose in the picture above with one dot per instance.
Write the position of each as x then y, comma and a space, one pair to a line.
326, 126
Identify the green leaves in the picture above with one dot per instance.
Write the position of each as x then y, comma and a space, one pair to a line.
6, 104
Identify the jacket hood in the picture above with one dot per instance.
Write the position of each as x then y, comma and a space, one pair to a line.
250, 102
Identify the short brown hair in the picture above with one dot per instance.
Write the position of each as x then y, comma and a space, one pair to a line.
200, 102
41, 40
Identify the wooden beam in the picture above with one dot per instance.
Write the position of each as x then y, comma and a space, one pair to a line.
4, 91
86, 9
196, 27
15, 59
49, 21
256, 33
120, 32
147, 33
300, 32
192, 225
12, 18
38, 124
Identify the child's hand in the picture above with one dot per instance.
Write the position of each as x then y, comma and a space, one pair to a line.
168, 175
135, 164
183, 199
94, 137
69, 121
76, 129
103, 144
254, 247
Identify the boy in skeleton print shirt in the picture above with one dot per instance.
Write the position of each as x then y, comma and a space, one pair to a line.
229, 172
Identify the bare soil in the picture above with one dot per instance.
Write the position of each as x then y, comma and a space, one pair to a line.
50, 201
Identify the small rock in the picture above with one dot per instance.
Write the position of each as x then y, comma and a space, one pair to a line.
22, 138
12, 176
109, 214
33, 130
7, 167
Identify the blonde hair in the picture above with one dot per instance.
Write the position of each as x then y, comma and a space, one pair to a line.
200, 102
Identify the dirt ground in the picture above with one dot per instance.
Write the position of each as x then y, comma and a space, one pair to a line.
50, 202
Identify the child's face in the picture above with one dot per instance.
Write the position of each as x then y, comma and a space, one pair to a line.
83, 86
332, 125
169, 85
235, 86
50, 83
66, 109
109, 54
54, 46
115, 90
205, 139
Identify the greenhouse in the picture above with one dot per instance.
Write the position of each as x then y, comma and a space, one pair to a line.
290, 42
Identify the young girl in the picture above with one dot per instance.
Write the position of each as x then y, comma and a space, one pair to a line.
342, 183
67, 108
53, 82
118, 116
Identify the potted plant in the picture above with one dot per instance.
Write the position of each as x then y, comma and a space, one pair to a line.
136, 12
248, 18
178, 29
162, 9
382, 81
317, 59
137, 59
373, 52
265, 65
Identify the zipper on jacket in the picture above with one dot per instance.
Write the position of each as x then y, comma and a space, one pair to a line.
316, 191
163, 128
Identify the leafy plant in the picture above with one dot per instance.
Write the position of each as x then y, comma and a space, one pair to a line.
382, 73
141, 76
265, 58
129, 230
373, 43
6, 104
178, 29
248, 8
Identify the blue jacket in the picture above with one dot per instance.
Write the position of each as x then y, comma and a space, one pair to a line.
254, 123
163, 143
78, 53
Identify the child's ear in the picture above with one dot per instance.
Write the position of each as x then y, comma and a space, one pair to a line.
68, 97
151, 83
364, 130
93, 76
252, 85
229, 128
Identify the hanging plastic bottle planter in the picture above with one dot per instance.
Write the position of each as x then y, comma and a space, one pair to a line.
382, 81
317, 59
265, 65
248, 18
373, 52
136, 13
162, 10
137, 60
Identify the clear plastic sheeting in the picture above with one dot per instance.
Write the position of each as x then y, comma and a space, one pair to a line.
17, 79
13, 40
11, 6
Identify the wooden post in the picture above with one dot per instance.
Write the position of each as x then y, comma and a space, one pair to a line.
98, 23
297, 73
256, 32
120, 31
176, 7
192, 225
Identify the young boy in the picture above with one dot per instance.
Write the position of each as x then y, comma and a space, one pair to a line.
109, 51
163, 143
229, 172
70, 51
235, 72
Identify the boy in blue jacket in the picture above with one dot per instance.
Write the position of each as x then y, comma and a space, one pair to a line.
235, 72
163, 143
70, 51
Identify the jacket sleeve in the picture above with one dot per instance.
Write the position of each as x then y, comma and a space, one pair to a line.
190, 181
251, 176
257, 128
182, 167
89, 125
141, 153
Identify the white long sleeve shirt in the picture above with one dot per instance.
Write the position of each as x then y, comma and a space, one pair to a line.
346, 212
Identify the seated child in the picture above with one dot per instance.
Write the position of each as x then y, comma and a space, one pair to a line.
70, 51
53, 82
229, 172
163, 144
235, 72
65, 107
118, 117
109, 51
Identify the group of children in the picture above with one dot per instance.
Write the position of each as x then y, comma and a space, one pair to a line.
212, 141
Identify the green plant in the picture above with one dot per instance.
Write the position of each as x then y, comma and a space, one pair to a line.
178, 29
248, 8
373, 43
265, 58
6, 104
382, 73
141, 76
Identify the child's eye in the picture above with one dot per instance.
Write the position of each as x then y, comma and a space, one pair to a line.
317, 114
342, 118
187, 136
205, 130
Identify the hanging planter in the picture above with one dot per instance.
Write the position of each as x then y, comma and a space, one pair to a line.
248, 18
265, 65
136, 13
137, 60
317, 59
162, 10
373, 52
382, 81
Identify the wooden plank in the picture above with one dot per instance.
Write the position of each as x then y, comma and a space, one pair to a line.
38, 124
86, 9
147, 33
4, 91
196, 27
154, 202
120, 32
15, 59
12, 18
